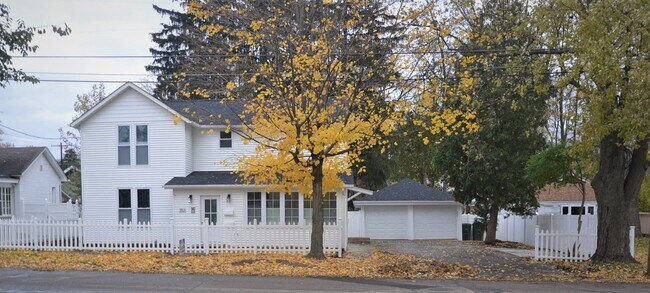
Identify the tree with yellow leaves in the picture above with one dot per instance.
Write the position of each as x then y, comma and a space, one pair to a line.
319, 82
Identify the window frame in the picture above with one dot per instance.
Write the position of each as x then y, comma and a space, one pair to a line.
250, 220
121, 144
138, 209
130, 208
327, 208
6, 200
227, 139
291, 208
217, 213
141, 144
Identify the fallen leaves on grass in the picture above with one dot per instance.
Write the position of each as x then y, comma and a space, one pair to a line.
379, 265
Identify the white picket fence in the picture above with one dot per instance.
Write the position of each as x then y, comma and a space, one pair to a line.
164, 237
568, 245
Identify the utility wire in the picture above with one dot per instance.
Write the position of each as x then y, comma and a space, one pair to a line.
437, 52
27, 134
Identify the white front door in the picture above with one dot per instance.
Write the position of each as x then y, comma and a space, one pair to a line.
210, 209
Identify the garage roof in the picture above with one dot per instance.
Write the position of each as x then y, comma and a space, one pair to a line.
408, 190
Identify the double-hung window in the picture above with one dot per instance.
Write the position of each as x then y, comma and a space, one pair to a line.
124, 145
291, 208
254, 211
329, 208
141, 145
225, 139
5, 201
273, 208
144, 206
124, 206
307, 210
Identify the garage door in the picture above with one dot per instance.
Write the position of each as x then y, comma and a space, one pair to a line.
435, 222
386, 222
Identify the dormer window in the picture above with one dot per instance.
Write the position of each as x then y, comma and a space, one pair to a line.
225, 139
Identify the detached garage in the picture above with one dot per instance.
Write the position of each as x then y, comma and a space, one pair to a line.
410, 210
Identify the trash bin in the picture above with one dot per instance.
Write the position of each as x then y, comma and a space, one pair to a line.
477, 231
467, 232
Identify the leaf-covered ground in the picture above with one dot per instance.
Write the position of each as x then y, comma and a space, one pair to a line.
623, 273
378, 265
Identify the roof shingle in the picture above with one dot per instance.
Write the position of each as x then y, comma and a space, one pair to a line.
221, 178
14, 161
409, 190
569, 192
208, 112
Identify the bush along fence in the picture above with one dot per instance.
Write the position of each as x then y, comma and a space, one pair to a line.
568, 245
165, 237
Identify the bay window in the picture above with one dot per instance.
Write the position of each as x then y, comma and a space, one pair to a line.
254, 210
273, 208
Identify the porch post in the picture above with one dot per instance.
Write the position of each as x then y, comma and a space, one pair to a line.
172, 239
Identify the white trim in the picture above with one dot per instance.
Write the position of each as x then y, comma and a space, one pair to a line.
9, 180
412, 202
361, 190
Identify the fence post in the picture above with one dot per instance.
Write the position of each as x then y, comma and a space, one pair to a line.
172, 240
340, 228
204, 232
254, 238
536, 242
632, 240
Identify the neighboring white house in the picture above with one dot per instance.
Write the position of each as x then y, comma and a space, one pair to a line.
566, 200
148, 160
409, 210
30, 178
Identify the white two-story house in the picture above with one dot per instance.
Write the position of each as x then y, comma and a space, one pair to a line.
149, 160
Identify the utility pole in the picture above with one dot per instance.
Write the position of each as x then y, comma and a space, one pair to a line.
60, 145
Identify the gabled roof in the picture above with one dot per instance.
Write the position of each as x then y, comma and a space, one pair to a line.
211, 178
117, 93
408, 190
202, 113
569, 192
15, 161
208, 112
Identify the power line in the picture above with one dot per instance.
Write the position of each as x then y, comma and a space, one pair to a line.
436, 52
27, 134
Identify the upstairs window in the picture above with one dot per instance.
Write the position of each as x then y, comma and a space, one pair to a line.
225, 139
124, 206
141, 145
124, 145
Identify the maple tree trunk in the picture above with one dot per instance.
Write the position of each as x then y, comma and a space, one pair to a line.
636, 174
615, 176
493, 218
316, 247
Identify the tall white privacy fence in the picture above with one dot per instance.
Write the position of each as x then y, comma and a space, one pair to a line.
51, 211
568, 245
164, 237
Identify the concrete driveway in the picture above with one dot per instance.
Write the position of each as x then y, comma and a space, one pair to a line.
492, 263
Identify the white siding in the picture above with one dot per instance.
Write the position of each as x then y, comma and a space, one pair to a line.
208, 156
102, 177
183, 209
188, 149
37, 181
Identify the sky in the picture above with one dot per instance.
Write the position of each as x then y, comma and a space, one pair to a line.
99, 27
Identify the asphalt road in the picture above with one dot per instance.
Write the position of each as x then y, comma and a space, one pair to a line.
33, 281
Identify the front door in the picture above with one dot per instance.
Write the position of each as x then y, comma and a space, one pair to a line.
210, 209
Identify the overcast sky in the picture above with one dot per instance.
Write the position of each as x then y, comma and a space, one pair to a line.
99, 27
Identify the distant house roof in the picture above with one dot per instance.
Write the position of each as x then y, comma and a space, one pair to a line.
199, 178
15, 161
408, 190
569, 192
208, 112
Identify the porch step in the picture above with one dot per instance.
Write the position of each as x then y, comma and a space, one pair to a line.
359, 240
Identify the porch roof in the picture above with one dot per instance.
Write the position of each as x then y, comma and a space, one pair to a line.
211, 178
